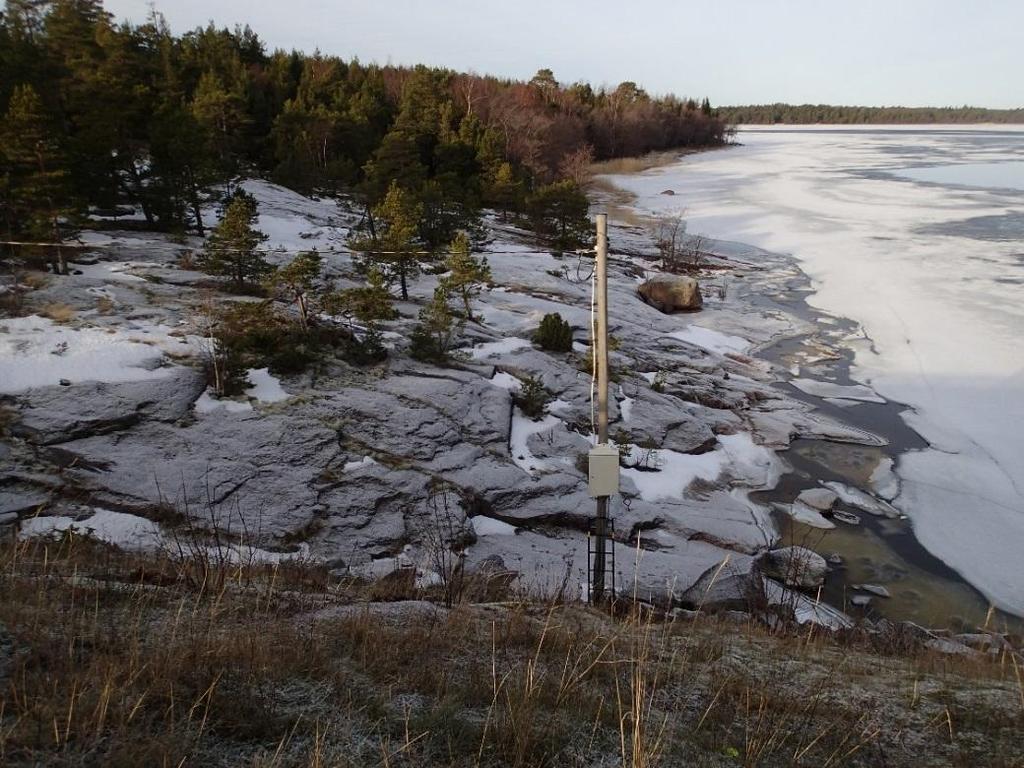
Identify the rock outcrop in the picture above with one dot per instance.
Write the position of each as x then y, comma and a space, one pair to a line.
795, 567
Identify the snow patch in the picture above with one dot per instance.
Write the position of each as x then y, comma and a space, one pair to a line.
488, 526
522, 429
265, 388
713, 341
746, 462
498, 348
36, 352
209, 403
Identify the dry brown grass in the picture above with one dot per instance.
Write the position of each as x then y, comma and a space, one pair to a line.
58, 312
126, 660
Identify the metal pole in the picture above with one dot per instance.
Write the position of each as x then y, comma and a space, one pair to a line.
601, 361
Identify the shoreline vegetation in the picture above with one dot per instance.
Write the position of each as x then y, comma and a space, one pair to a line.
813, 114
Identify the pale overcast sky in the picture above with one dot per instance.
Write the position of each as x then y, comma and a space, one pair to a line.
871, 52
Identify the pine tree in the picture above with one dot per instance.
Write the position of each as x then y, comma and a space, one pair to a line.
395, 243
221, 113
467, 274
296, 280
368, 304
396, 161
431, 340
559, 212
505, 191
37, 179
231, 247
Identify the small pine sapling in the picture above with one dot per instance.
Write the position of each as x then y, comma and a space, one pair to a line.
554, 334
467, 273
533, 398
432, 338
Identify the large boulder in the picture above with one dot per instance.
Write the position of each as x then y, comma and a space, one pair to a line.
672, 293
795, 567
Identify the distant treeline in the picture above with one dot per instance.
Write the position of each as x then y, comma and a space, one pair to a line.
807, 114
100, 114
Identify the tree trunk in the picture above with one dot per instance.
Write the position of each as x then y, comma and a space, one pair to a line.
194, 196
401, 275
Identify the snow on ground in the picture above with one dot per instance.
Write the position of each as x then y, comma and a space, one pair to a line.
488, 526
748, 463
293, 222
498, 348
933, 274
713, 341
138, 534
37, 352
366, 461
857, 392
505, 381
265, 388
110, 270
117, 528
522, 428
208, 403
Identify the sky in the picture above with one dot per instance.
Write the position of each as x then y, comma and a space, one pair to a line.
865, 52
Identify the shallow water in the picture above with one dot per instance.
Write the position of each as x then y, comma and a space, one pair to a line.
932, 270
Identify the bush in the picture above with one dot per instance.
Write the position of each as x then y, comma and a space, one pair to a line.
532, 398
554, 334
253, 334
366, 350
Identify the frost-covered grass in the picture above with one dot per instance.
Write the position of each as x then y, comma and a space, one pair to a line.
113, 659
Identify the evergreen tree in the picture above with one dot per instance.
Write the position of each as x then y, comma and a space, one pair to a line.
394, 244
181, 167
367, 304
559, 212
231, 247
220, 112
432, 338
505, 191
296, 280
396, 161
38, 197
467, 274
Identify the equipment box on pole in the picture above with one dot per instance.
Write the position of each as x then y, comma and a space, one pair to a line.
604, 470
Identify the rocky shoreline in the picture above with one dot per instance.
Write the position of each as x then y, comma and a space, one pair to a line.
356, 468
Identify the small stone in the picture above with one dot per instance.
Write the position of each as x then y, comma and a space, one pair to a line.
65, 382
861, 601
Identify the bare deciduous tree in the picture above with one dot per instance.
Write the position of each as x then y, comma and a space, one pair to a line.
669, 231
445, 541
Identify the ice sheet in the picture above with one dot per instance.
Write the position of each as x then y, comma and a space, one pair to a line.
943, 313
